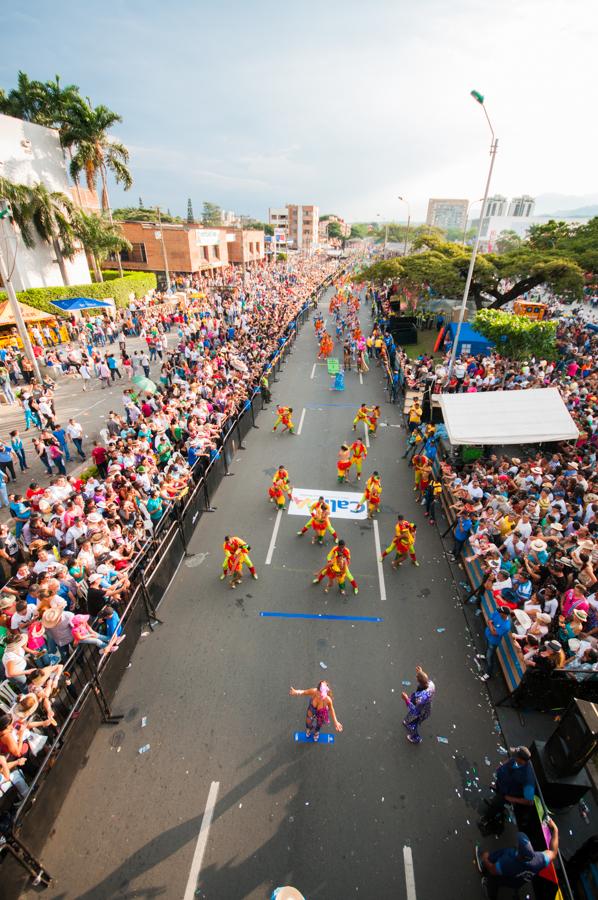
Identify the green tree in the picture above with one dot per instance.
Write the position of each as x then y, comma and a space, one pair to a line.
141, 214
497, 278
517, 337
359, 230
100, 237
508, 240
27, 101
334, 231
211, 215
255, 225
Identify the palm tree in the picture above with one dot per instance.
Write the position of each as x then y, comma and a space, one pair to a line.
46, 214
27, 101
96, 153
100, 237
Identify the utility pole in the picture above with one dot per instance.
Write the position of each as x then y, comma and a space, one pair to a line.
165, 258
5, 213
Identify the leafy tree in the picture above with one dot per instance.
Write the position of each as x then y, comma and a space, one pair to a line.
255, 225
27, 101
141, 214
211, 215
441, 268
100, 237
359, 230
334, 231
517, 336
508, 240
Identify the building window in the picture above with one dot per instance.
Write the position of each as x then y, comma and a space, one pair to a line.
217, 252
136, 254
206, 253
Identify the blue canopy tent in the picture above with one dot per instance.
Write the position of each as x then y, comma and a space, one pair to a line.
75, 304
470, 340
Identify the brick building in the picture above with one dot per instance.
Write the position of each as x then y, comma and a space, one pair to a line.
189, 248
303, 224
323, 228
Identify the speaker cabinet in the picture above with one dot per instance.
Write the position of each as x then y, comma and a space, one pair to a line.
558, 790
575, 739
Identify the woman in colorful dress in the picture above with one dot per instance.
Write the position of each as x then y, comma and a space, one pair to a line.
320, 709
419, 705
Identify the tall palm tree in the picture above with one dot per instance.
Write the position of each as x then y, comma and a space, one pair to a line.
100, 237
46, 214
27, 101
96, 153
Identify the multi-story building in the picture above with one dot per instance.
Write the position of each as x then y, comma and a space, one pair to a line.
447, 213
495, 206
31, 154
188, 248
278, 217
229, 217
303, 226
345, 229
522, 206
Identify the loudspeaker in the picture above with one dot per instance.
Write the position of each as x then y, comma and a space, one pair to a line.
558, 790
575, 739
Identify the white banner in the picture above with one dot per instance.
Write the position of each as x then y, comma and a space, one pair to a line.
205, 237
343, 504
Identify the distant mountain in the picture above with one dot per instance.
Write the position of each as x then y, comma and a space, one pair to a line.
580, 212
566, 204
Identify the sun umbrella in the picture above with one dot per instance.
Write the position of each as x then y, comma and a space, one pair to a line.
144, 384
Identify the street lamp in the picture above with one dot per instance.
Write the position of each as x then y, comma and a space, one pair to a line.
408, 223
493, 148
469, 205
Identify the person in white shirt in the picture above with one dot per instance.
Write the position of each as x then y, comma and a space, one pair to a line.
85, 375
74, 430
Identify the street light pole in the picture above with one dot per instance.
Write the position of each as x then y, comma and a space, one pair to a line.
14, 304
493, 148
165, 258
408, 224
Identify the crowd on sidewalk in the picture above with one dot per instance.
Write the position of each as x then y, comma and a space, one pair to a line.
532, 522
68, 560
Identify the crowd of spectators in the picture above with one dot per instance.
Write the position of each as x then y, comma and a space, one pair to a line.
71, 549
531, 520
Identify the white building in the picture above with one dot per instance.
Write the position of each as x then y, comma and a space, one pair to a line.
522, 206
495, 206
278, 217
30, 154
494, 225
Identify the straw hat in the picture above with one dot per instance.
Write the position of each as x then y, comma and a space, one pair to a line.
523, 618
95, 518
556, 526
538, 545
574, 645
586, 545
544, 618
7, 602
18, 640
580, 614
51, 617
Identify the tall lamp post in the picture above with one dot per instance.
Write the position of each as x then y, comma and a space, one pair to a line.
479, 98
469, 205
164, 256
408, 224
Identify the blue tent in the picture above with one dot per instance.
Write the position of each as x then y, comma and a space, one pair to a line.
470, 340
74, 303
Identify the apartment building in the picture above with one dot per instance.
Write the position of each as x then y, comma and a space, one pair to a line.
303, 222
447, 213
323, 228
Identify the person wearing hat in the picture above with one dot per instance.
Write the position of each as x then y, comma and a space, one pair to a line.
514, 783
498, 626
15, 662
57, 622
548, 658
516, 866
584, 667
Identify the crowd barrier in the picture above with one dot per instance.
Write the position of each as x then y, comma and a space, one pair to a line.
84, 700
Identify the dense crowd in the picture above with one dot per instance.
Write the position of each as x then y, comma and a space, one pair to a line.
72, 552
532, 522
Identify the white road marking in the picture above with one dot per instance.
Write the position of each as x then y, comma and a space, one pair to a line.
409, 874
325, 322
379, 561
202, 840
360, 378
273, 538
313, 370
367, 434
301, 422
93, 405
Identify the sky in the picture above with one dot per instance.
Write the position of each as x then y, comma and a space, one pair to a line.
345, 104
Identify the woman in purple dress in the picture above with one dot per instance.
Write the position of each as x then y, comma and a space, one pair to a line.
419, 705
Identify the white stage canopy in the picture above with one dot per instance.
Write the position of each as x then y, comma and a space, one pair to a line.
507, 417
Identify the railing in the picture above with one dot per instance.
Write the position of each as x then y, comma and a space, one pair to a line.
92, 675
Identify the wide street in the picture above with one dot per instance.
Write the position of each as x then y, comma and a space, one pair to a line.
368, 816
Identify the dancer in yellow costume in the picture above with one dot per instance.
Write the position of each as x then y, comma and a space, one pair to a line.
319, 521
358, 455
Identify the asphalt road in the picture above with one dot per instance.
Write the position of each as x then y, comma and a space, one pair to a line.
332, 820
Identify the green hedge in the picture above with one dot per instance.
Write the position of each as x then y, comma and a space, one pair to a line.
118, 288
